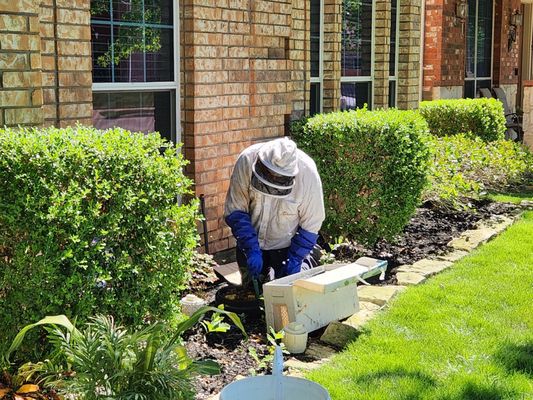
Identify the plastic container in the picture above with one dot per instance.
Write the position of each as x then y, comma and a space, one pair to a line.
295, 338
191, 303
274, 387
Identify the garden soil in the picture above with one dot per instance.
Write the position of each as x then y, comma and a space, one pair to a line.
426, 235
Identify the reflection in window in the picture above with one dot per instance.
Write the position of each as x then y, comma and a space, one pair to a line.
315, 38
135, 111
132, 40
315, 99
478, 71
356, 38
355, 95
393, 78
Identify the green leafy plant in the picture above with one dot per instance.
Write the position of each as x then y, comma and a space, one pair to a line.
103, 360
483, 118
216, 323
90, 222
464, 168
263, 362
373, 166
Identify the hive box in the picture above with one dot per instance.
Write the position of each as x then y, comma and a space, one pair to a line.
316, 297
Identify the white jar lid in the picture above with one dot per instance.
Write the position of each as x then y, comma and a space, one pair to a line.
295, 328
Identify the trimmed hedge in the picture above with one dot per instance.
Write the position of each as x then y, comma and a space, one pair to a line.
463, 168
373, 166
90, 223
483, 118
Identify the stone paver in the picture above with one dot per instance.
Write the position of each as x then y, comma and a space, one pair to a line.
319, 352
426, 267
453, 256
293, 363
471, 239
366, 312
379, 295
339, 334
409, 278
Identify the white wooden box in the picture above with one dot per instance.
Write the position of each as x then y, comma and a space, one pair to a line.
316, 297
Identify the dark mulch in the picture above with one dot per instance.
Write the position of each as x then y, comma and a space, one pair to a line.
427, 234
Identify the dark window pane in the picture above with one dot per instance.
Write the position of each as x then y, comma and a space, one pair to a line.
315, 38
315, 99
471, 39
100, 9
136, 111
355, 95
482, 84
356, 38
392, 93
393, 38
128, 11
484, 38
101, 41
470, 90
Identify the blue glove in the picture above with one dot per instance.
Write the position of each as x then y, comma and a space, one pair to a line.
301, 245
244, 232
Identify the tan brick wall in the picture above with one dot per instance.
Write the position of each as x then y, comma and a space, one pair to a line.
45, 53
20, 62
382, 54
332, 54
409, 54
244, 75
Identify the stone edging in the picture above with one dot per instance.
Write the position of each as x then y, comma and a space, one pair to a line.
372, 299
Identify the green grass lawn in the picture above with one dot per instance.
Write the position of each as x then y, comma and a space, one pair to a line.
511, 197
464, 334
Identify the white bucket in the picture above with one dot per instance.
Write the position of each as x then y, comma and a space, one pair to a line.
263, 388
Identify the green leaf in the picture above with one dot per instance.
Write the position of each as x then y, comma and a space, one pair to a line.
207, 367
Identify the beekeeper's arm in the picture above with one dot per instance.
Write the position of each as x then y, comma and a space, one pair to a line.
237, 215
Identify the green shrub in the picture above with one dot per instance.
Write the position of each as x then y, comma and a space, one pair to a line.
373, 166
483, 118
465, 167
90, 222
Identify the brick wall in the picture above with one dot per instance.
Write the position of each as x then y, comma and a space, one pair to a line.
506, 61
45, 54
244, 76
332, 54
21, 95
382, 54
409, 54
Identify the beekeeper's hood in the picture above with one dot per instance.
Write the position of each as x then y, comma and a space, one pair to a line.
275, 167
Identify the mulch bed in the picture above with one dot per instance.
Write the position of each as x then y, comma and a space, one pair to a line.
427, 235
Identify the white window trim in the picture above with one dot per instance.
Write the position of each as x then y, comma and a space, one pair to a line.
156, 86
366, 78
475, 78
320, 78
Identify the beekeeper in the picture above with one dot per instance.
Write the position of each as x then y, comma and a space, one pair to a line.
274, 207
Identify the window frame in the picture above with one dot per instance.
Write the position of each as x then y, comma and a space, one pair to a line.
394, 77
368, 78
320, 78
475, 78
174, 85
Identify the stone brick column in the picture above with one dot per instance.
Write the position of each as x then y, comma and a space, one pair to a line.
67, 63
332, 54
382, 54
409, 54
300, 57
21, 95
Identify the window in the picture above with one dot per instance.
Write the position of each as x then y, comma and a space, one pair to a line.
393, 52
356, 54
316, 56
134, 58
478, 71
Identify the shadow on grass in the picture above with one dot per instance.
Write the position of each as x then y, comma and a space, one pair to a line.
517, 357
475, 391
415, 385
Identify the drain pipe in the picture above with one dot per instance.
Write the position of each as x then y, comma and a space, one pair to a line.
204, 223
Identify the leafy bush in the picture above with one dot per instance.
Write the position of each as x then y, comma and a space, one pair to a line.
464, 167
483, 118
90, 222
373, 166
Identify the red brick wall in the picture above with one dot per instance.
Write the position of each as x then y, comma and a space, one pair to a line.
505, 61
244, 74
444, 46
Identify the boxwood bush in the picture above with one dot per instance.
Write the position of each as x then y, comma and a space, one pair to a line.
373, 166
464, 167
483, 118
90, 223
